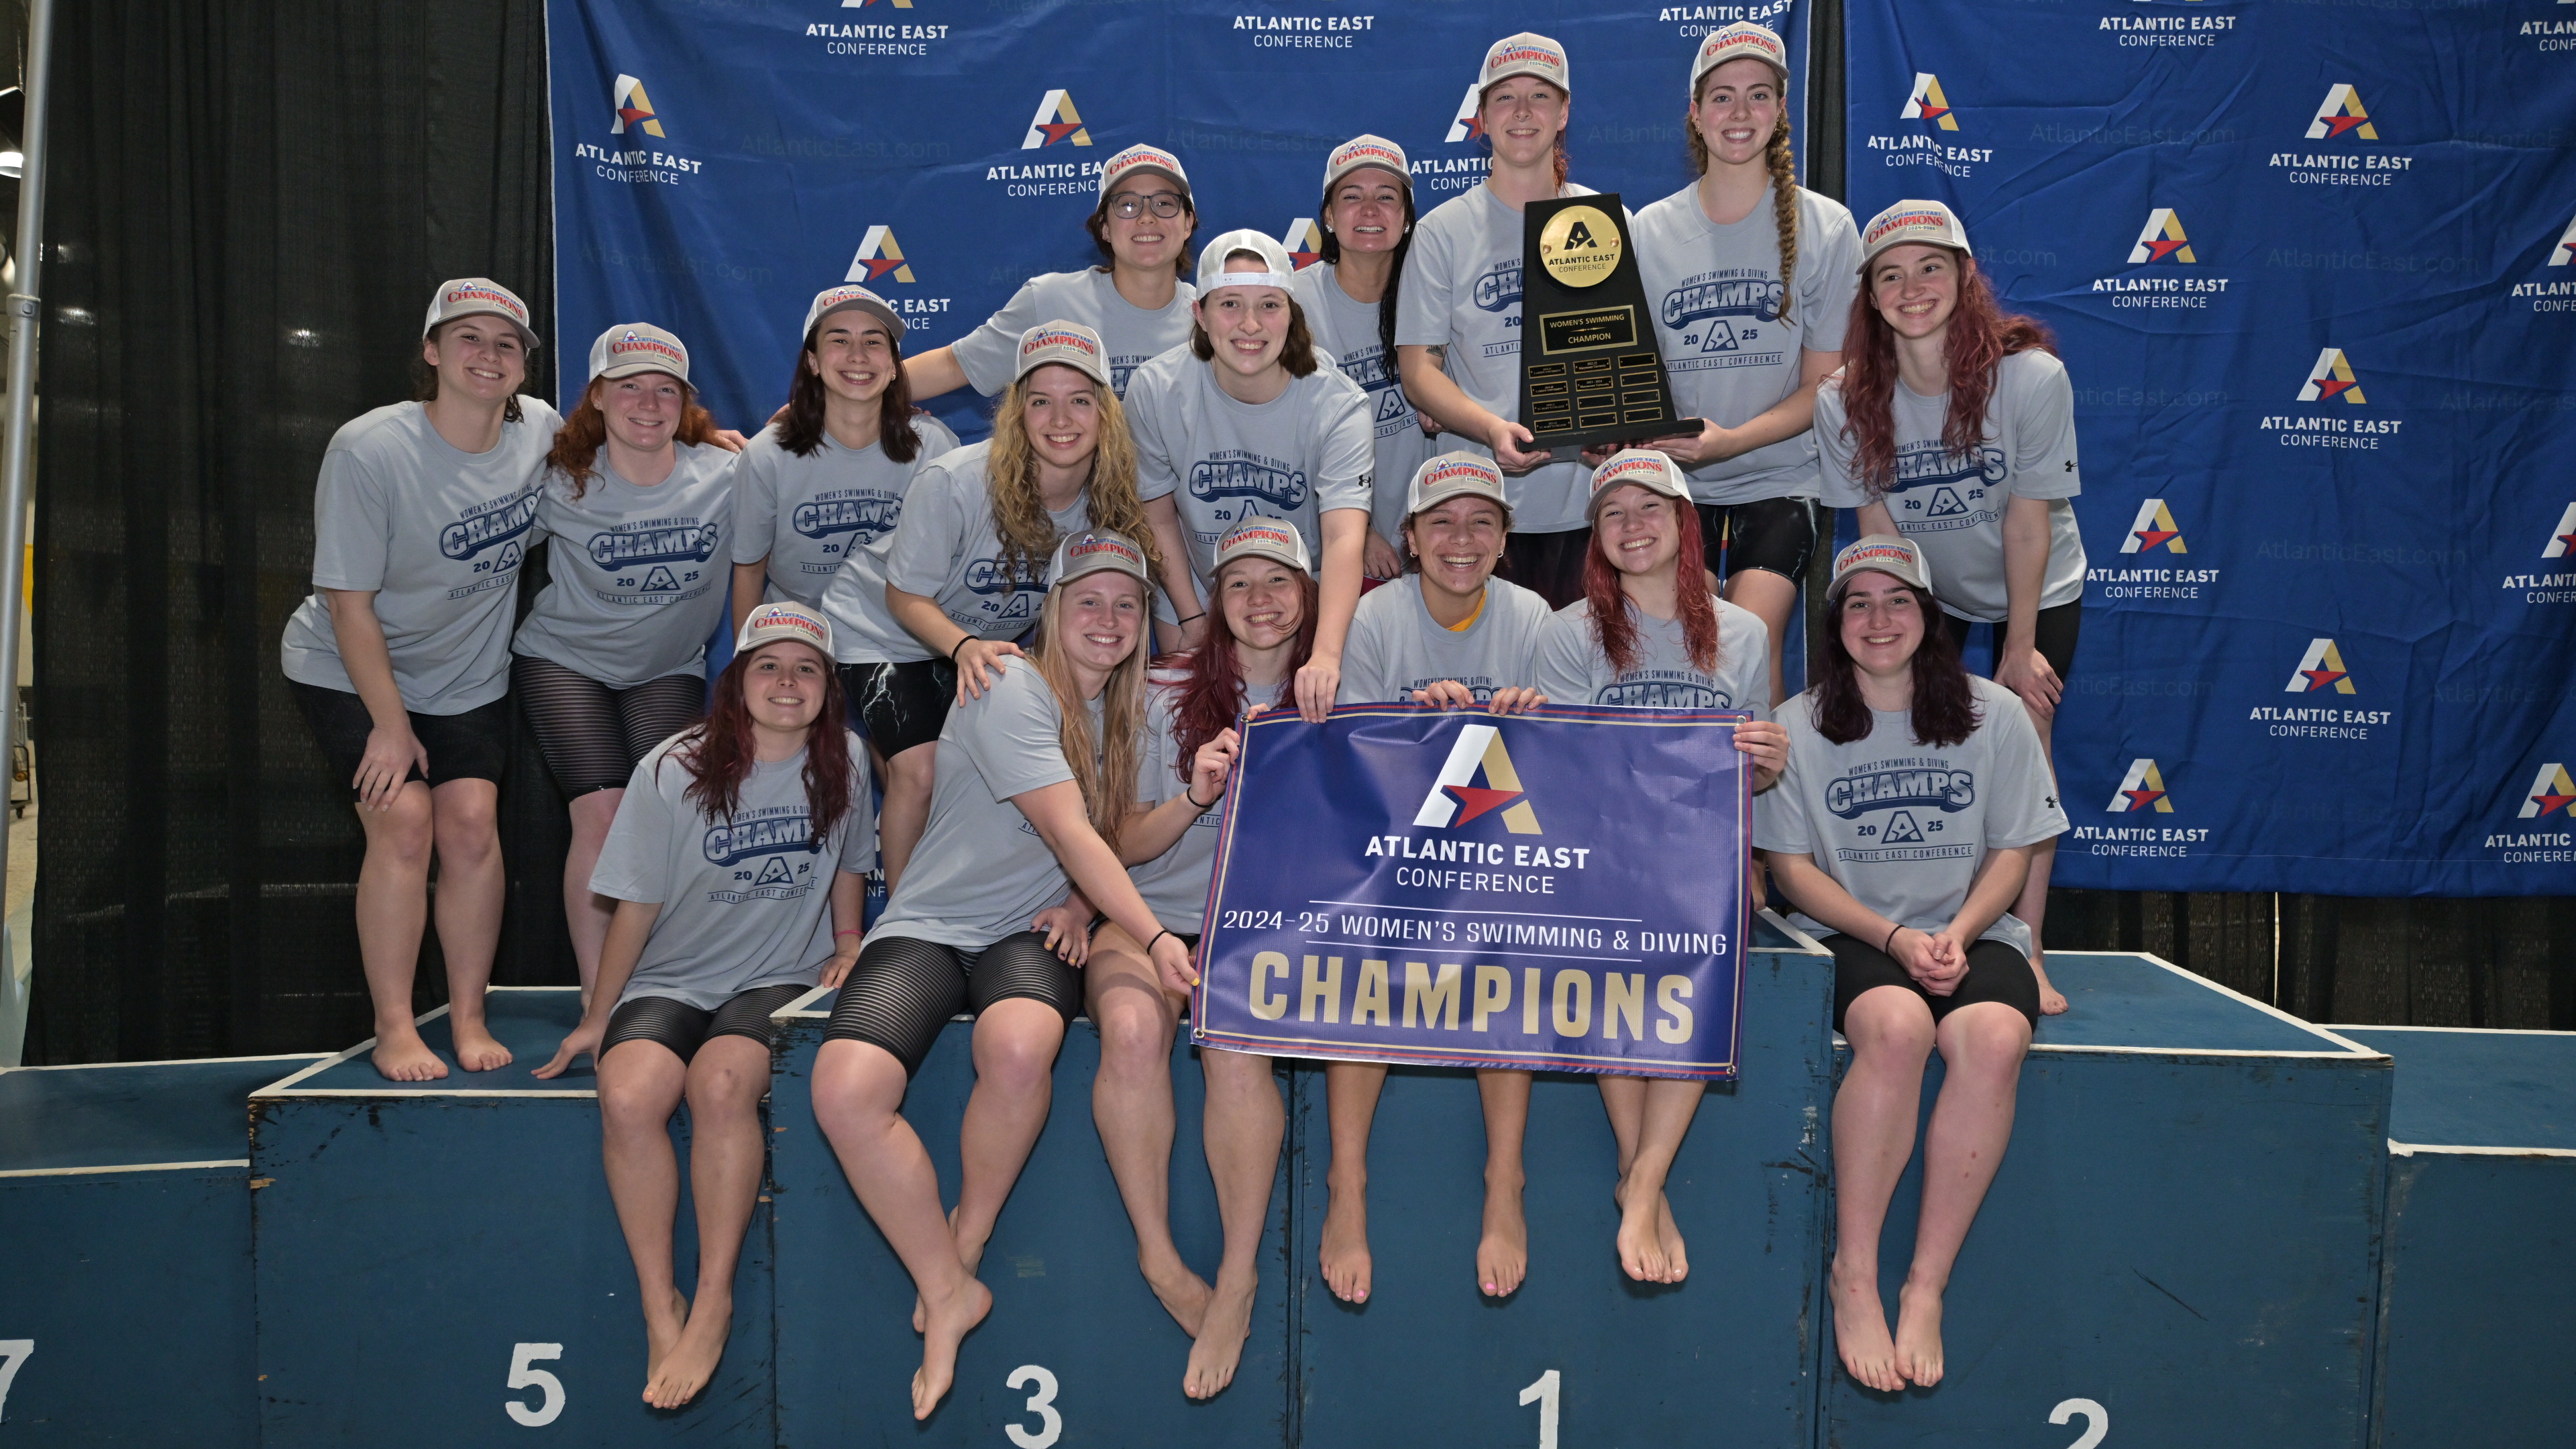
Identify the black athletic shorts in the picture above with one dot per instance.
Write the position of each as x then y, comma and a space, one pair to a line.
900, 706
684, 1028
1996, 972
469, 746
1775, 535
903, 989
1548, 564
2053, 632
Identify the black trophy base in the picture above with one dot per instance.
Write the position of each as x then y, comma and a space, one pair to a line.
1569, 445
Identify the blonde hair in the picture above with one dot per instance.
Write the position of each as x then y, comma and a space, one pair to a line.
1105, 769
1019, 511
1783, 163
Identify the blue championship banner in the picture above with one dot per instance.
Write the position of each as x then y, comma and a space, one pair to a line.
1562, 890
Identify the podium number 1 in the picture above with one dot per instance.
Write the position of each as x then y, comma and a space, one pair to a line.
13, 1352
525, 1375
1543, 1393
2097, 1420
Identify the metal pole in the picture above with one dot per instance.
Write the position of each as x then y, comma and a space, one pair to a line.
25, 317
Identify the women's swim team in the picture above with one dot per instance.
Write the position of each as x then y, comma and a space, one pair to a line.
1215, 483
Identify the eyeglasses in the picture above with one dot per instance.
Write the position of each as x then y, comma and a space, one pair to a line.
1127, 205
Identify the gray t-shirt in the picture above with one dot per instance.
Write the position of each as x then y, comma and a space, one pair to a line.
808, 515
1716, 294
1572, 669
1952, 507
945, 549
1462, 291
980, 872
1131, 335
639, 577
1348, 330
437, 534
1902, 826
746, 900
1396, 647
1293, 458
1175, 883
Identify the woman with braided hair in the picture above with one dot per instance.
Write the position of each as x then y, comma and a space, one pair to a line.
1751, 277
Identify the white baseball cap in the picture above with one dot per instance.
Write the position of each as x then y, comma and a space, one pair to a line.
1259, 537
1138, 159
1360, 152
1276, 267
1889, 554
1091, 551
632, 347
477, 297
1912, 221
1070, 343
1644, 467
784, 620
1524, 54
1739, 41
850, 297
1452, 475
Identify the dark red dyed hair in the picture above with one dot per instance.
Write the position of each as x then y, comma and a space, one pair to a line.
1945, 707
718, 751
1617, 631
1211, 684
1981, 335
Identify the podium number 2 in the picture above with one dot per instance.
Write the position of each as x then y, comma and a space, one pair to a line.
1543, 1393
1041, 1385
2097, 1420
523, 1375
13, 1352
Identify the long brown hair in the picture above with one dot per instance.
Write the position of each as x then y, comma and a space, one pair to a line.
1945, 705
1211, 685
424, 378
1616, 627
577, 443
801, 431
1104, 768
1783, 164
1981, 335
1019, 512
719, 752
1386, 303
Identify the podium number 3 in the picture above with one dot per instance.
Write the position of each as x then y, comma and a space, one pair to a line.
13, 1352
1543, 1394
524, 1375
2097, 1420
1041, 1385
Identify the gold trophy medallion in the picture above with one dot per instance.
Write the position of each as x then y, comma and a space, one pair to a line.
1580, 246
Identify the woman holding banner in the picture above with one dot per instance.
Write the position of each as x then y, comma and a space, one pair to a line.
1953, 423
925, 615
1903, 826
1648, 634
705, 945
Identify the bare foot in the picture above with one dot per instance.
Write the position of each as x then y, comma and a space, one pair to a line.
1641, 1247
1676, 1259
1345, 1253
2052, 1002
662, 1334
407, 1059
476, 1051
1860, 1335
1184, 1294
1502, 1254
692, 1361
1918, 1334
1219, 1346
949, 1321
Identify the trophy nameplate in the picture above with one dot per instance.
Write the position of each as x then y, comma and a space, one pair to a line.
1590, 374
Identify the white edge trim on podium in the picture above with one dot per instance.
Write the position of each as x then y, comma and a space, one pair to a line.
127, 1166
2409, 1149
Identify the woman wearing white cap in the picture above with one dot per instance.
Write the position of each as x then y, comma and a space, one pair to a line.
925, 615
1135, 299
736, 863
1457, 329
1456, 637
1351, 298
1244, 423
1750, 277
1036, 779
1903, 826
612, 656
400, 659
1952, 423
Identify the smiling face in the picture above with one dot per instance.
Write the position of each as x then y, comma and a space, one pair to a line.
1263, 604
854, 355
1523, 116
480, 357
1738, 108
1246, 325
643, 408
1365, 213
1101, 618
1145, 241
1060, 407
1457, 543
1915, 287
783, 685
1881, 621
1639, 530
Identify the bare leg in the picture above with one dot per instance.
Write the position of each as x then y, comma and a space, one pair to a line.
1890, 1030
1131, 1104
1244, 1124
2032, 904
858, 1091
1772, 598
393, 904
906, 811
1350, 1103
727, 1079
1016, 1042
1502, 1249
471, 886
640, 1083
1981, 1046
586, 912
1649, 1116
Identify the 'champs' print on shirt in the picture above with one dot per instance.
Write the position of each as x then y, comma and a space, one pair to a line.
760, 847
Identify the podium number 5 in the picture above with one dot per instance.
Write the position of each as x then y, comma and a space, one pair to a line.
1041, 1403
2097, 1420
13, 1352
523, 1375
1543, 1393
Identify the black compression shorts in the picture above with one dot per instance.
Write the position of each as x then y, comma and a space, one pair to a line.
1775, 535
1548, 564
2053, 631
684, 1028
900, 706
592, 735
903, 990
1996, 972
469, 746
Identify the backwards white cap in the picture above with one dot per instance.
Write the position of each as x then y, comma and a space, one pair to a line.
1276, 265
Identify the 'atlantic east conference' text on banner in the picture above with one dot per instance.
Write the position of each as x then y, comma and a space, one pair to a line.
1557, 891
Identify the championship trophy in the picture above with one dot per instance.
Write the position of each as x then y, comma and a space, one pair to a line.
1590, 375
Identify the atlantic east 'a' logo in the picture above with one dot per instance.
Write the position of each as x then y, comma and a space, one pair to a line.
2565, 252
1926, 103
1469, 123
1056, 120
2143, 788
2320, 668
1455, 801
633, 109
2342, 112
2551, 792
2154, 528
2162, 238
2562, 539
1304, 241
2331, 378
880, 256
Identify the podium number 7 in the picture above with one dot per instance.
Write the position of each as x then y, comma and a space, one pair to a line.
1543, 1393
13, 1352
